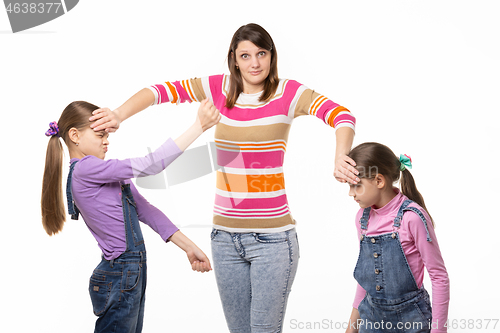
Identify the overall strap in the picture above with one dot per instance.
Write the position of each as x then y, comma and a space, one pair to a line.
72, 209
364, 219
399, 216
404, 208
422, 217
133, 233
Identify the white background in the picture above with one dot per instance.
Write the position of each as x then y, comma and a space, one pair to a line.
420, 76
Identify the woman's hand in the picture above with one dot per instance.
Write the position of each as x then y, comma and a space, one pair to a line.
105, 119
208, 115
344, 170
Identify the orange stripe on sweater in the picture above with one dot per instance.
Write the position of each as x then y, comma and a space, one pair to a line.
187, 87
317, 104
174, 93
334, 114
250, 183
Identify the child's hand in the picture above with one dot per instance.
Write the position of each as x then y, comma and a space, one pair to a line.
208, 115
353, 322
105, 119
199, 261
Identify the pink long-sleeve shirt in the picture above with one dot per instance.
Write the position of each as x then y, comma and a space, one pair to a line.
418, 251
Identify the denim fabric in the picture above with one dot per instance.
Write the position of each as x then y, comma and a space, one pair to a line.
117, 287
393, 302
254, 274
117, 292
72, 209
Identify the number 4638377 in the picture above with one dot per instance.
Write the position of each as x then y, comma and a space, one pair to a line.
32, 8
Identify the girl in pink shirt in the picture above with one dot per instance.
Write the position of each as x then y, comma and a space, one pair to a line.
397, 240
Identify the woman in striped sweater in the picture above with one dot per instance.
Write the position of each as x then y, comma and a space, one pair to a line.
254, 243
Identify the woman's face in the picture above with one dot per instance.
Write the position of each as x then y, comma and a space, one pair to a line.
254, 64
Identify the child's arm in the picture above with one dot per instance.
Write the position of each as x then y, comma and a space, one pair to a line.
434, 263
207, 117
353, 322
199, 261
99, 171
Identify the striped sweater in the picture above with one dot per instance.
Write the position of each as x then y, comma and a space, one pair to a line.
251, 143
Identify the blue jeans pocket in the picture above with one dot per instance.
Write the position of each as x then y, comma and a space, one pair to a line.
99, 290
278, 237
131, 277
213, 234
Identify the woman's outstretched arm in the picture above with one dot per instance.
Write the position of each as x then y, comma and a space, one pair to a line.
108, 120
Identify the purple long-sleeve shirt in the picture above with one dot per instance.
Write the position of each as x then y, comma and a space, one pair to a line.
97, 194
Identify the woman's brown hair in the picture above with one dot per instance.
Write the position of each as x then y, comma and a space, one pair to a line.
75, 115
374, 158
260, 37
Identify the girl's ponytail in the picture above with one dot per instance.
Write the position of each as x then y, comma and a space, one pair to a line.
53, 212
409, 188
75, 115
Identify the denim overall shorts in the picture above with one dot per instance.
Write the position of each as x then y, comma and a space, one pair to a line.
393, 301
117, 287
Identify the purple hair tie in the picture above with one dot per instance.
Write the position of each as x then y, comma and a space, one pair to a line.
53, 129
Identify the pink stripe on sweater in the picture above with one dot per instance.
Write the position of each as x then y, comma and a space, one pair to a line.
324, 109
162, 93
252, 160
344, 118
183, 94
251, 203
252, 216
241, 113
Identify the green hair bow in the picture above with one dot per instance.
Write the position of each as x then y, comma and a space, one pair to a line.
405, 162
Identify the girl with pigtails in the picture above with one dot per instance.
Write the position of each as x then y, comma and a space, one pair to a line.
101, 191
397, 240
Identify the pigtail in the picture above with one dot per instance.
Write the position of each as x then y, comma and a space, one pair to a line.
409, 188
53, 212
75, 115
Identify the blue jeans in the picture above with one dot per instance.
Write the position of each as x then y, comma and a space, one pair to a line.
117, 290
254, 273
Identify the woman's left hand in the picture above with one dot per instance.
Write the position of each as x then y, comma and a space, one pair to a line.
344, 170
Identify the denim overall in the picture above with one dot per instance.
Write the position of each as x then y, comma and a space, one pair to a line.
393, 301
117, 287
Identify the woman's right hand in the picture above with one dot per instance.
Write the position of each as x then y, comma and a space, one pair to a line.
208, 115
105, 119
